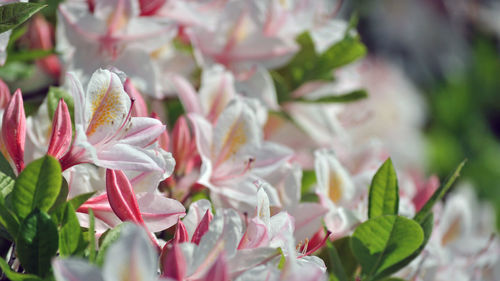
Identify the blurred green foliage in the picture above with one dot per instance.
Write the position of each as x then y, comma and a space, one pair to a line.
465, 122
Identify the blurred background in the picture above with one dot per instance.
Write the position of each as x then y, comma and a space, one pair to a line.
450, 50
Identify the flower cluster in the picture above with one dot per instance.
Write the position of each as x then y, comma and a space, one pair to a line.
274, 164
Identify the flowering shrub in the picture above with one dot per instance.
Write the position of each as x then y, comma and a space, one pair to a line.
274, 163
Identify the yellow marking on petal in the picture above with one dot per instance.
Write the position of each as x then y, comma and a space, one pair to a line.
452, 233
334, 187
156, 54
118, 18
105, 110
233, 141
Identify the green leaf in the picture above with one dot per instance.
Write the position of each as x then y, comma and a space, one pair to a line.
8, 220
61, 197
308, 180
53, 97
349, 97
381, 242
349, 262
335, 264
16, 70
427, 226
70, 233
106, 240
6, 184
37, 186
29, 55
340, 54
14, 276
282, 262
37, 242
12, 15
383, 198
92, 245
5, 167
438, 194
77, 201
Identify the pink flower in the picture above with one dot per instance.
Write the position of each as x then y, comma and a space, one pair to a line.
14, 130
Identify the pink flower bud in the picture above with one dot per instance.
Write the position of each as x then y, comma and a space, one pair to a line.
14, 130
41, 34
121, 197
219, 270
60, 139
181, 235
181, 140
140, 108
4, 94
150, 7
202, 228
172, 262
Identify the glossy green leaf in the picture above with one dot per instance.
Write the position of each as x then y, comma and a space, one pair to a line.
61, 197
6, 184
12, 15
15, 276
383, 196
349, 97
382, 242
6, 168
8, 220
438, 194
335, 265
427, 226
349, 262
77, 201
70, 233
37, 186
37, 243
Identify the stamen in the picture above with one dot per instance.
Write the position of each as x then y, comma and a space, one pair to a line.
314, 249
125, 121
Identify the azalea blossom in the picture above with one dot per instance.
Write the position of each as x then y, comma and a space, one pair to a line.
234, 156
107, 135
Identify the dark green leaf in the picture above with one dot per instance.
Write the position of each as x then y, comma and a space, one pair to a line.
37, 186
438, 194
349, 262
6, 184
29, 55
61, 197
381, 242
335, 264
37, 242
70, 233
8, 220
5, 167
384, 197
349, 97
77, 201
14, 276
11, 15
